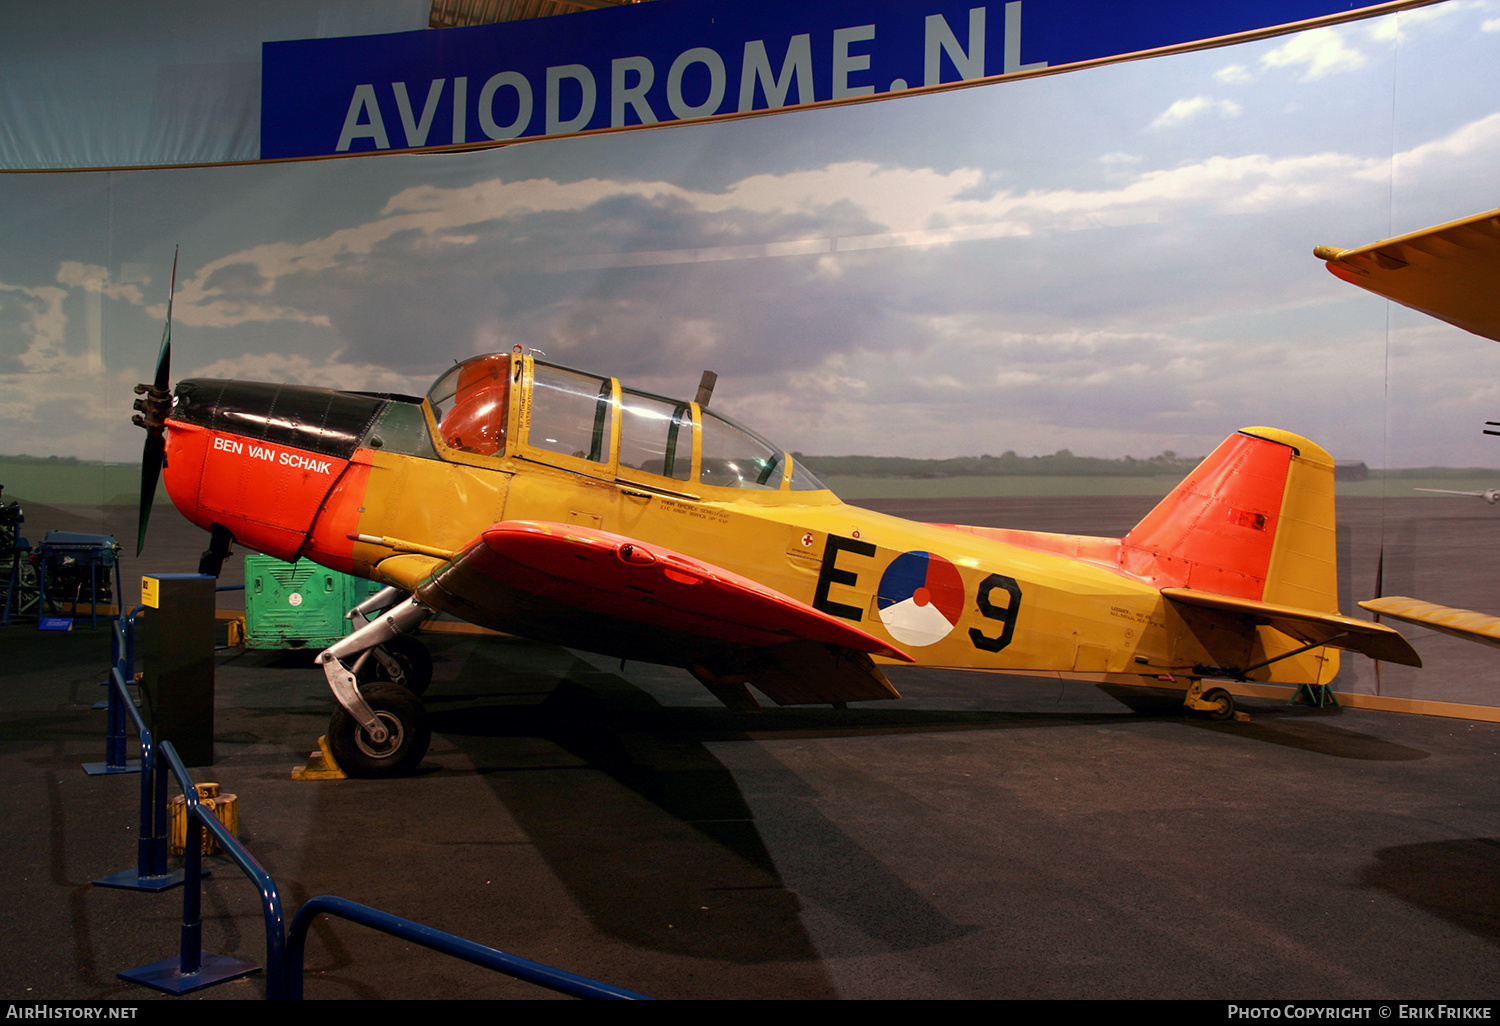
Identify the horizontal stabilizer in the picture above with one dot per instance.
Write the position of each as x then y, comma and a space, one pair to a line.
1461, 623
1308, 626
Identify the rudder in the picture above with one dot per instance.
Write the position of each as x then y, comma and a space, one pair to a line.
1255, 520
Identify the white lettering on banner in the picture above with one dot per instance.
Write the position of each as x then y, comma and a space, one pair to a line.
363, 101
940, 40
416, 131
460, 109
844, 62
620, 94
757, 67
516, 81
585, 79
1013, 41
715, 65
632, 78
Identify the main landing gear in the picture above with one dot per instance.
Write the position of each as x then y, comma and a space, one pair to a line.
380, 728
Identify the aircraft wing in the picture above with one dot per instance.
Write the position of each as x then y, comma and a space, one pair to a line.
1448, 271
1308, 626
1461, 623
590, 589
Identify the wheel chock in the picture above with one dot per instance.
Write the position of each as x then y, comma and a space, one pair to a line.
321, 765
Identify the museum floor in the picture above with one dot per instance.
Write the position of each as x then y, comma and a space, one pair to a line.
983, 837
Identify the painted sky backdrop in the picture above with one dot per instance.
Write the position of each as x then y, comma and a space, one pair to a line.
1116, 261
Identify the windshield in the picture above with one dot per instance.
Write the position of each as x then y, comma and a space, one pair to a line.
736, 457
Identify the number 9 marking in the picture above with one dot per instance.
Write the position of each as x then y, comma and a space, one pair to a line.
1005, 615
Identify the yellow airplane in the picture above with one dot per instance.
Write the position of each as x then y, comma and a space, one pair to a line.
1449, 271
562, 506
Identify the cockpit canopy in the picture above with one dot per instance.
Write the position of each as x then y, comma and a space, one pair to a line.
502, 405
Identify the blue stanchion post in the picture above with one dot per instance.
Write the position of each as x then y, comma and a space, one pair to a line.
193, 968
151, 872
122, 663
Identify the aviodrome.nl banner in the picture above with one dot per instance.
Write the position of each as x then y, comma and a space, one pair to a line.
680, 59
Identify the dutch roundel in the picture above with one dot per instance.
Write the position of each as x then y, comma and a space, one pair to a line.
920, 599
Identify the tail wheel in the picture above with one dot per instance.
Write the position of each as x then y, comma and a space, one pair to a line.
408, 735
1223, 704
413, 665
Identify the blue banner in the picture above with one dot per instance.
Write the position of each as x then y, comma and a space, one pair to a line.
677, 59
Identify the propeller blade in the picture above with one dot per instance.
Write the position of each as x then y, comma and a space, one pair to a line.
153, 409
151, 460
164, 354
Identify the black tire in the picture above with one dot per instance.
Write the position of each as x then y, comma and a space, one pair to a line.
1223, 704
404, 717
411, 655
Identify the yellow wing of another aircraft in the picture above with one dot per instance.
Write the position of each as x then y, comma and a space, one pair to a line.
1448, 271
1461, 623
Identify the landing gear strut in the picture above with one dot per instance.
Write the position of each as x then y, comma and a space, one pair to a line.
403, 661
211, 562
380, 728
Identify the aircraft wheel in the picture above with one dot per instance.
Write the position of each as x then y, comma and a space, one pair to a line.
415, 662
1223, 704
405, 720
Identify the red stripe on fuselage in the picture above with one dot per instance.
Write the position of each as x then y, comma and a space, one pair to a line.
328, 542
267, 495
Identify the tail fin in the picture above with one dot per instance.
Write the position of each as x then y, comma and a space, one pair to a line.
1244, 552
1255, 520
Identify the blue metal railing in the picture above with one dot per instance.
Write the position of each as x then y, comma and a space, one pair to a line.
193, 968
151, 872
458, 947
